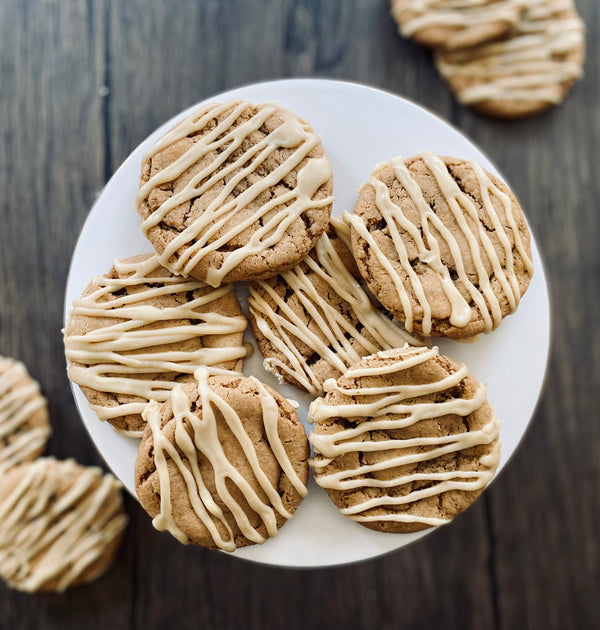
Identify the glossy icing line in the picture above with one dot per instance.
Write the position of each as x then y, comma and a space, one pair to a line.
525, 66
457, 13
424, 237
44, 537
222, 220
17, 404
110, 358
335, 339
394, 407
204, 439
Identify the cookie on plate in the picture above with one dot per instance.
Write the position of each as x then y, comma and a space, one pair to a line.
24, 423
530, 69
61, 524
314, 321
223, 463
442, 244
455, 24
235, 192
404, 440
139, 330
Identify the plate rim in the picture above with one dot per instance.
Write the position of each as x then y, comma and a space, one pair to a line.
540, 270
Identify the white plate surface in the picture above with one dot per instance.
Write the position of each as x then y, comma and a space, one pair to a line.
360, 127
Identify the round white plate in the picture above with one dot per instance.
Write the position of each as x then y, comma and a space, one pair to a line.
360, 127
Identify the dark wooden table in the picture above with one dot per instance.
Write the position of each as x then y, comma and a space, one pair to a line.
82, 82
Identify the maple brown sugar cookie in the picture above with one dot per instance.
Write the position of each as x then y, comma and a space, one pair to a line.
532, 67
314, 321
236, 191
442, 244
455, 24
139, 330
61, 524
223, 463
404, 440
24, 422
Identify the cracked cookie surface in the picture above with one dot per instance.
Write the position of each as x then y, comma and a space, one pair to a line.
139, 330
61, 524
442, 244
314, 321
531, 68
455, 24
223, 463
404, 440
235, 192
24, 421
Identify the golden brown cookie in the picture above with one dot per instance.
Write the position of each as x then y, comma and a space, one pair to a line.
24, 423
314, 321
138, 331
442, 244
235, 192
223, 463
530, 69
455, 24
405, 440
61, 524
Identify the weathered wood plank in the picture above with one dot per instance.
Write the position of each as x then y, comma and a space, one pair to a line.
443, 577
545, 507
51, 168
527, 554
51, 171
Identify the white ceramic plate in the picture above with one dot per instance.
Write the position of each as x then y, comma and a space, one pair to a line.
360, 127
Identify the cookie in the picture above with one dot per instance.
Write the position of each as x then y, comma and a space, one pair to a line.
314, 321
405, 440
442, 244
530, 69
455, 24
223, 463
138, 331
235, 192
61, 524
24, 423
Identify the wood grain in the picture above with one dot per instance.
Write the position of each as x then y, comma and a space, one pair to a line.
81, 84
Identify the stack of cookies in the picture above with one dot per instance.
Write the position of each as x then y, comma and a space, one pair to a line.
61, 524
504, 58
340, 307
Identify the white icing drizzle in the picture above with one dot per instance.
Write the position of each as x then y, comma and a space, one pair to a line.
108, 359
392, 407
456, 13
44, 537
429, 251
18, 402
204, 439
522, 67
222, 220
337, 333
